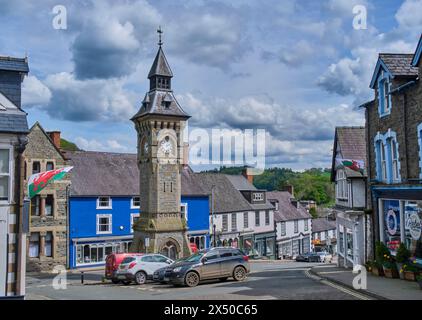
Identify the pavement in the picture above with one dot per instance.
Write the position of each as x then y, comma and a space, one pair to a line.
268, 281
380, 288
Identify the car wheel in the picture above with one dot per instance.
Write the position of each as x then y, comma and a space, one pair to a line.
115, 281
239, 273
192, 279
140, 277
223, 279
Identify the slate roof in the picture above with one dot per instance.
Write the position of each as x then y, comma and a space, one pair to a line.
226, 197
399, 64
153, 105
286, 210
322, 224
160, 66
14, 64
115, 174
352, 144
12, 119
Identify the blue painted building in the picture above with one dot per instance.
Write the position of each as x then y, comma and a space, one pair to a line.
104, 204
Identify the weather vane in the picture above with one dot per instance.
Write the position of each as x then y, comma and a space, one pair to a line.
160, 32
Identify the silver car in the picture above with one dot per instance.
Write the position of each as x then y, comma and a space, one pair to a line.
213, 263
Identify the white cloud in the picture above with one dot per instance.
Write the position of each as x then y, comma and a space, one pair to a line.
34, 92
95, 145
89, 100
409, 15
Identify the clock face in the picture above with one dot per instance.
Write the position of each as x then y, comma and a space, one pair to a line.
166, 146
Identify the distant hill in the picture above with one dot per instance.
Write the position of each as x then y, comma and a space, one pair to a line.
312, 184
68, 146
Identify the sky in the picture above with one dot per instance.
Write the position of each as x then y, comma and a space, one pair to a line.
295, 68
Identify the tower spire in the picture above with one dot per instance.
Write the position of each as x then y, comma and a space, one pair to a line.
160, 33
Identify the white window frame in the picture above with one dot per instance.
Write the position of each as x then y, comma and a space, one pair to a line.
110, 203
342, 186
394, 160
246, 220
132, 216
10, 174
257, 215
267, 215
132, 206
283, 230
258, 196
234, 222
383, 161
110, 223
296, 226
184, 205
306, 224
225, 226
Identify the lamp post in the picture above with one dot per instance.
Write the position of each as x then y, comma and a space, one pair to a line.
212, 214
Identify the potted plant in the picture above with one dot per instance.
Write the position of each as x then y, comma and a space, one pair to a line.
402, 257
390, 268
377, 269
410, 271
419, 280
381, 253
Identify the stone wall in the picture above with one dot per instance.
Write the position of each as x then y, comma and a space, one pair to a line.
40, 148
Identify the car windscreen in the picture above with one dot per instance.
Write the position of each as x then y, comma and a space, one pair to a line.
128, 260
195, 257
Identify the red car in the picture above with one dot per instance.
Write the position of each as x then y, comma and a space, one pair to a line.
113, 262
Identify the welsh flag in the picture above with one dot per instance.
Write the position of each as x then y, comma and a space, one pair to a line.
356, 165
39, 181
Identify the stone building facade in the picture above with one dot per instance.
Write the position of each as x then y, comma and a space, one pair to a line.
160, 123
47, 240
394, 151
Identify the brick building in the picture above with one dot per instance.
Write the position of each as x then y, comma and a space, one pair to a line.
46, 243
394, 150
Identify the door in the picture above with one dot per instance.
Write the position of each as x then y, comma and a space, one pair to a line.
211, 266
228, 262
3, 250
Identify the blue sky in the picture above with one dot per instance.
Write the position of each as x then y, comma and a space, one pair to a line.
294, 68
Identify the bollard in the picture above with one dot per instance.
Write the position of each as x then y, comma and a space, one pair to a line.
82, 277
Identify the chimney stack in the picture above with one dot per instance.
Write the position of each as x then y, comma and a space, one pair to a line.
290, 189
55, 136
247, 173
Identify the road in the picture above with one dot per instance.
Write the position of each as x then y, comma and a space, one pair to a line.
267, 280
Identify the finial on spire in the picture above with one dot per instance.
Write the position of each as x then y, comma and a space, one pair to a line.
160, 32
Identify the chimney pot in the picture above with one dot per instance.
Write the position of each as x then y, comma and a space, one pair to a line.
290, 189
247, 173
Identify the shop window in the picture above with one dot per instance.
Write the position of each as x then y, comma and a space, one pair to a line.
36, 167
413, 228
49, 166
135, 203
49, 205
234, 222
225, 223
245, 220
257, 219
267, 218
392, 233
104, 224
104, 203
35, 206
48, 244
34, 245
4, 174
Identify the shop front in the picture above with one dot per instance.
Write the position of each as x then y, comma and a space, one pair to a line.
264, 245
400, 220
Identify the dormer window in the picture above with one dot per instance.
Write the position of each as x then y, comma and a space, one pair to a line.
258, 196
384, 97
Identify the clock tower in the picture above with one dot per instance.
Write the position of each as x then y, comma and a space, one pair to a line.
160, 124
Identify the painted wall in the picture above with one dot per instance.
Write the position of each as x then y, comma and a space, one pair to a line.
197, 212
290, 229
240, 227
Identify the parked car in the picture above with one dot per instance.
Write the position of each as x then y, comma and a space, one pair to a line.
113, 262
213, 263
325, 256
308, 257
162, 275
141, 268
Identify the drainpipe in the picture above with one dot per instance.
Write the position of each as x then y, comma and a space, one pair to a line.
20, 268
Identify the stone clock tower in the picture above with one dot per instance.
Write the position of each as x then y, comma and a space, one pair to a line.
160, 123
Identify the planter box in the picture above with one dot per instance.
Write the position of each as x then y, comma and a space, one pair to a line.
379, 272
391, 273
409, 276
